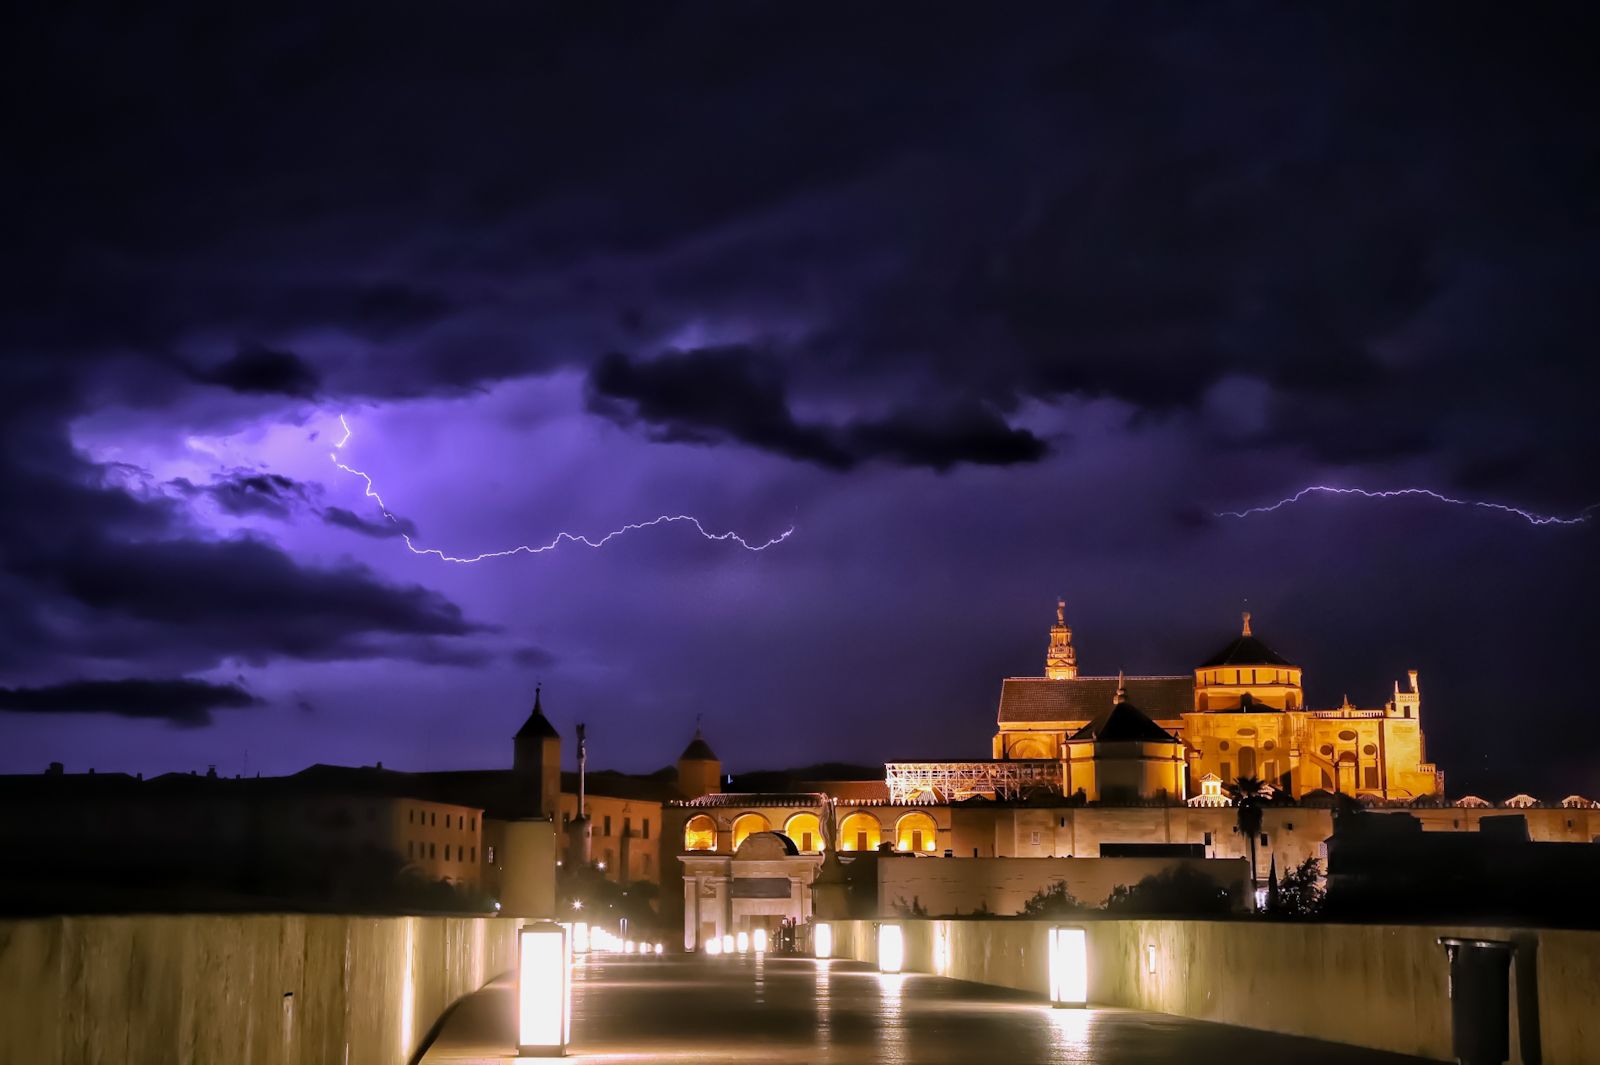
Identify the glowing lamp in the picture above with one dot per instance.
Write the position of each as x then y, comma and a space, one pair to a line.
580, 937
822, 941
661, 948
758, 939
1150, 958
743, 939
891, 948
627, 948
1069, 967
713, 946
544, 989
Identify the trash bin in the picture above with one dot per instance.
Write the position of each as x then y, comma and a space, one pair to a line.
1480, 999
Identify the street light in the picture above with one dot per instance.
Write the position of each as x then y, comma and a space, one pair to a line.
544, 989
1069, 967
758, 939
743, 939
822, 941
891, 948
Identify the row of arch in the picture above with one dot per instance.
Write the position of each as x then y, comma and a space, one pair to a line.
859, 831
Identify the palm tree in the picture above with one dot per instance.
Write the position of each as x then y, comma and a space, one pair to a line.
1249, 794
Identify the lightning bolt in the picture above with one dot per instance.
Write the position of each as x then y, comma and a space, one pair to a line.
1580, 518
561, 538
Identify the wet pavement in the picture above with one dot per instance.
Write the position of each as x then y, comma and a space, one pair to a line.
779, 1011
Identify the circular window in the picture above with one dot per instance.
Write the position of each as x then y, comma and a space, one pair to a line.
1269, 745
1222, 746
1347, 735
1247, 732
1327, 748
1369, 749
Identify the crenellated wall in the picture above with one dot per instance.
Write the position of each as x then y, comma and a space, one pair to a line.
271, 989
1385, 987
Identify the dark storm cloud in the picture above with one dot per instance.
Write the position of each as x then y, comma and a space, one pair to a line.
245, 492
257, 369
93, 571
185, 702
381, 528
719, 394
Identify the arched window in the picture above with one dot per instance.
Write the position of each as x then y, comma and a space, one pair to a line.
860, 832
700, 834
806, 833
916, 833
748, 824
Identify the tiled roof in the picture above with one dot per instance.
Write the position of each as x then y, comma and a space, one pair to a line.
1024, 699
1124, 723
758, 798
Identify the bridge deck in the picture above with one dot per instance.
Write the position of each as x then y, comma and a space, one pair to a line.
778, 1011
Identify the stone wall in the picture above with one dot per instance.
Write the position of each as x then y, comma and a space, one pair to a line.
1380, 986
1000, 886
276, 989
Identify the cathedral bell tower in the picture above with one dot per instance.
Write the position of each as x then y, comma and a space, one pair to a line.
1061, 660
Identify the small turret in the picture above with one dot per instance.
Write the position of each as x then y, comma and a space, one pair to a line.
536, 752
699, 769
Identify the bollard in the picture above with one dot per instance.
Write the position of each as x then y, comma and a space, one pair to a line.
1480, 999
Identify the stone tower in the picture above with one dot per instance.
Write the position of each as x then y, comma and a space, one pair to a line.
537, 754
1061, 660
699, 770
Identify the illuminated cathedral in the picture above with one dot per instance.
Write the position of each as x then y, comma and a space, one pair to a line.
1239, 713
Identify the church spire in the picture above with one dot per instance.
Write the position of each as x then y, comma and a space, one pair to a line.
1246, 631
1061, 659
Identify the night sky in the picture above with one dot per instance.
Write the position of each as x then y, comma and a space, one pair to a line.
989, 307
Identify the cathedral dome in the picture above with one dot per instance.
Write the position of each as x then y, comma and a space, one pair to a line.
1245, 650
1247, 676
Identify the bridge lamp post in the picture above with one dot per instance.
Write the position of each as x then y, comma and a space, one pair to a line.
1069, 967
891, 948
544, 989
822, 941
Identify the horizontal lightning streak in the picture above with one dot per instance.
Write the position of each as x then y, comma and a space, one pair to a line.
561, 538
1323, 489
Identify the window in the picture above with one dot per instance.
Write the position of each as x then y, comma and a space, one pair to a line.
411, 817
607, 830
1263, 839
433, 851
473, 827
1372, 777
433, 819
627, 826
1208, 839
447, 824
647, 828
489, 853
1033, 838
474, 854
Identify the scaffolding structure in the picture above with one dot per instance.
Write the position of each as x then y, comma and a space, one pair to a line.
953, 781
